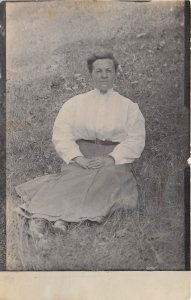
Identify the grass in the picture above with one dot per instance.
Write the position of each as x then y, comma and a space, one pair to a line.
148, 42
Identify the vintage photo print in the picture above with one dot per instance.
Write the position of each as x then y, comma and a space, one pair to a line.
97, 136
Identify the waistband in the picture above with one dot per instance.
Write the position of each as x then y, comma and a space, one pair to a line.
100, 142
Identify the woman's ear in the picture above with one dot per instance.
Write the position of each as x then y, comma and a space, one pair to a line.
119, 70
90, 75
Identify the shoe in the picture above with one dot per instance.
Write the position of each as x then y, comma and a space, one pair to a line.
61, 226
37, 227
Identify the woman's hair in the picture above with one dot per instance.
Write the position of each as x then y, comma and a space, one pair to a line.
101, 55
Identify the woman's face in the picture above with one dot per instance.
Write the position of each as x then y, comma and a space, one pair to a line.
103, 74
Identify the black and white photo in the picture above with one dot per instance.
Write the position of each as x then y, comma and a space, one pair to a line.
97, 136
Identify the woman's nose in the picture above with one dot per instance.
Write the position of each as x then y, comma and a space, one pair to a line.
104, 74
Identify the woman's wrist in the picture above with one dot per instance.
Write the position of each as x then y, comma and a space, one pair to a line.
112, 158
77, 158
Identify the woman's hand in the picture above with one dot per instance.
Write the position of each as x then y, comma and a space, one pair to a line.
82, 161
96, 162
100, 161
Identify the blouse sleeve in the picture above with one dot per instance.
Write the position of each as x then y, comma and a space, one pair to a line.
63, 137
132, 146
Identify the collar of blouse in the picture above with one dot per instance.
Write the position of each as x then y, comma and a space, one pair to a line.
108, 93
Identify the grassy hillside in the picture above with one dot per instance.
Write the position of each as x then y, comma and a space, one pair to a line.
47, 46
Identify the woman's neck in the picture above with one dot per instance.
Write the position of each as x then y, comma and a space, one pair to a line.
103, 92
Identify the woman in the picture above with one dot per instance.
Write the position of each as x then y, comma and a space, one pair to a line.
98, 135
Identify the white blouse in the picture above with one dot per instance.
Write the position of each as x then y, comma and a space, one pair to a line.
107, 116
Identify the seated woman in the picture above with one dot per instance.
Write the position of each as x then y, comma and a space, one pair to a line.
98, 135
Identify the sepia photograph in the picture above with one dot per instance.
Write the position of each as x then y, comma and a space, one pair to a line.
97, 136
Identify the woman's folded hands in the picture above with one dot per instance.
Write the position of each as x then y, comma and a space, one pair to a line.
94, 162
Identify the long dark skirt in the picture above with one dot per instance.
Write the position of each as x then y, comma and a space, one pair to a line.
78, 194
